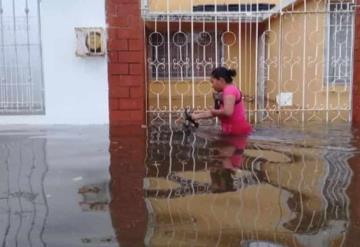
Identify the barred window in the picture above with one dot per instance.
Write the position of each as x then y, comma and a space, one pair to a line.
340, 43
21, 81
205, 54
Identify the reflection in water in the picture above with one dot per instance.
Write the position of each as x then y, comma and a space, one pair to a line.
217, 191
54, 187
95, 197
127, 207
23, 203
199, 189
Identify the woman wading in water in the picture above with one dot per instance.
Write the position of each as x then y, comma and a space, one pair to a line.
229, 107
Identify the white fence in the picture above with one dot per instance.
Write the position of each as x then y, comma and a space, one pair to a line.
294, 60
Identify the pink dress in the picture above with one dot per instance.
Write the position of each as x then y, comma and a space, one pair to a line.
236, 124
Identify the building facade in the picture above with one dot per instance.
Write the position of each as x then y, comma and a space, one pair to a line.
295, 60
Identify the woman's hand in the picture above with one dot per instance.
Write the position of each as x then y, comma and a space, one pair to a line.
215, 112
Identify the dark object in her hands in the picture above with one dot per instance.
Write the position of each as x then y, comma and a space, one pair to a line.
218, 99
189, 120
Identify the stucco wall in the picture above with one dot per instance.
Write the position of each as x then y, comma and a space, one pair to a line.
76, 89
299, 45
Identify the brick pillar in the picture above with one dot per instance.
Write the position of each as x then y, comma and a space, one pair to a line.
126, 66
354, 188
127, 170
127, 112
356, 83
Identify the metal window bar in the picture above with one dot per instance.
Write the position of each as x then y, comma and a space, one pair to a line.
284, 76
21, 78
340, 44
180, 55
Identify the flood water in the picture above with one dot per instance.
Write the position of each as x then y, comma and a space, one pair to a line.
162, 186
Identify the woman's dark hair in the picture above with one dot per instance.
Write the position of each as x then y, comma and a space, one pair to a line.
222, 72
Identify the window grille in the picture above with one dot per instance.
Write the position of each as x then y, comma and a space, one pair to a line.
180, 54
21, 80
340, 43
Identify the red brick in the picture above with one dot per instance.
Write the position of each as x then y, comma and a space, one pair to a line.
114, 104
136, 45
115, 8
135, 21
357, 74
123, 117
126, 62
130, 104
357, 105
127, 9
120, 116
118, 69
130, 130
113, 56
135, 2
127, 21
357, 68
126, 80
118, 45
130, 57
129, 34
119, 92
110, 9
137, 92
137, 115
119, 21
112, 33
357, 56
136, 69
356, 88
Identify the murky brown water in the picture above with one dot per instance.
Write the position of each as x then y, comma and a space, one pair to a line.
282, 186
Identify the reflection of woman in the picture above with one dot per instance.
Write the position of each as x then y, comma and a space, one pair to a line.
231, 111
230, 150
231, 157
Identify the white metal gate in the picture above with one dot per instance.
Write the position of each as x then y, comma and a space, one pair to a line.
21, 82
293, 58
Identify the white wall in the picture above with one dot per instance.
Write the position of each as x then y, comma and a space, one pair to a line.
76, 89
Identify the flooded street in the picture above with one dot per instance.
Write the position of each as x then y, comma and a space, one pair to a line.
281, 186
54, 187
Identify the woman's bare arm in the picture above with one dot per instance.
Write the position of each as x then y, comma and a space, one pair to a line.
201, 115
228, 110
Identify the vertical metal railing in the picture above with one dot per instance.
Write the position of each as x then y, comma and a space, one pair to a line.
21, 79
299, 77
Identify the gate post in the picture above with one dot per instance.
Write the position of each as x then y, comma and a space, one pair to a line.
126, 66
126, 72
356, 69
